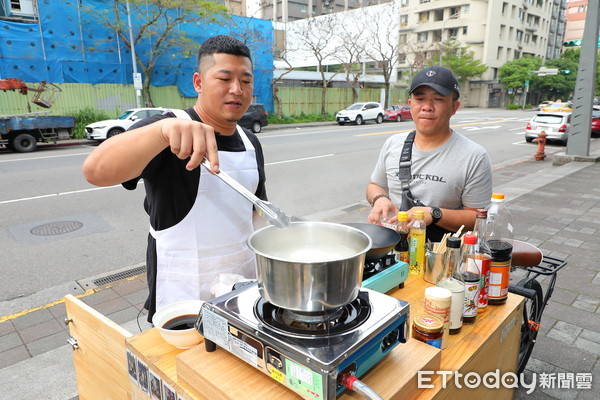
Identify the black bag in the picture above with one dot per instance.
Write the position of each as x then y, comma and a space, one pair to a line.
433, 232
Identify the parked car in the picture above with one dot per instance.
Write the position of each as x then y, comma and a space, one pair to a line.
555, 124
102, 130
596, 121
557, 106
397, 113
543, 104
254, 118
361, 112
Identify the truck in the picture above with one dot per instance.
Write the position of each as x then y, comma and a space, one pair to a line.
22, 132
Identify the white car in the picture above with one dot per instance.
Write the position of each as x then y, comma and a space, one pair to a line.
358, 113
102, 130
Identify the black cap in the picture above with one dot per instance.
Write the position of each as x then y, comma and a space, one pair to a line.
438, 78
453, 242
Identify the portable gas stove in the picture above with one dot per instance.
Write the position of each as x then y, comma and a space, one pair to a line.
306, 352
385, 274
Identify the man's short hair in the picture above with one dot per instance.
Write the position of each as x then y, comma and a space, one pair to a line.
223, 44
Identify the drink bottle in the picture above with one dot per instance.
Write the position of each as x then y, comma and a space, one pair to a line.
500, 235
471, 276
401, 249
483, 258
451, 279
416, 244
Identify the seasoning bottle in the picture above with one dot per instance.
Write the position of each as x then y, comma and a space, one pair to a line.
416, 243
437, 302
483, 258
428, 329
499, 232
401, 249
451, 279
471, 276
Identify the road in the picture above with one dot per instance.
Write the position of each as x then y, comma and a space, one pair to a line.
57, 230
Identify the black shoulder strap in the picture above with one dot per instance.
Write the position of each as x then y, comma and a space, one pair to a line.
405, 161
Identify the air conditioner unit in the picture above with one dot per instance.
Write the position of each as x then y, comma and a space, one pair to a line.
21, 8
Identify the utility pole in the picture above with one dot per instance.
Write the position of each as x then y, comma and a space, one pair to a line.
579, 139
137, 78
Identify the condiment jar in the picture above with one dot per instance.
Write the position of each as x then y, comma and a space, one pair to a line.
428, 329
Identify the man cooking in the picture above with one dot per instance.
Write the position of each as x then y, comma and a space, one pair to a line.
198, 225
434, 169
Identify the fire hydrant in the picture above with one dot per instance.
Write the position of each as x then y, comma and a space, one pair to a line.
541, 142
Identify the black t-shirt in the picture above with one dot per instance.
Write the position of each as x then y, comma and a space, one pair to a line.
171, 190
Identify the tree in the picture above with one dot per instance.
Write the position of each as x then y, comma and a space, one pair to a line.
515, 73
382, 43
159, 31
559, 86
318, 41
350, 53
460, 60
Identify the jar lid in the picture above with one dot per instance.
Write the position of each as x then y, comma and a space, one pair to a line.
428, 323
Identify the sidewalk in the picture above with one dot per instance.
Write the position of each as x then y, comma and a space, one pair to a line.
556, 208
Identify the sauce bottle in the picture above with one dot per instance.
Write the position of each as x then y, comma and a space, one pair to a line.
471, 276
416, 244
483, 258
451, 279
401, 249
499, 234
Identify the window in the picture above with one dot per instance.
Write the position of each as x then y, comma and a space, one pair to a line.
424, 17
521, 15
403, 20
422, 36
499, 52
526, 38
519, 36
438, 15
20, 8
402, 58
404, 3
465, 9
517, 54
465, 30
402, 38
453, 33
502, 31
504, 5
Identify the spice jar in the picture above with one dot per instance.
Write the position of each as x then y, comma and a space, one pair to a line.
428, 329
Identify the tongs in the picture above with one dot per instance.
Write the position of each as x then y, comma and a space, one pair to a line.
266, 209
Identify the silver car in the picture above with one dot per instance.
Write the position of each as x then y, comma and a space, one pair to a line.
556, 125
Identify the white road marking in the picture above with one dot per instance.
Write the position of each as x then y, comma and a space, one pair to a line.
299, 159
41, 158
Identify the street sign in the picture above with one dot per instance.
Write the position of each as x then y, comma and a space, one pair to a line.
551, 71
137, 81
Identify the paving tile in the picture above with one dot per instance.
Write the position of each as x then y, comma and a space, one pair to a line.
561, 336
32, 318
101, 296
569, 358
587, 345
47, 343
137, 297
13, 356
128, 314
563, 296
59, 311
584, 306
10, 341
6, 327
112, 306
591, 335
128, 286
583, 319
39, 331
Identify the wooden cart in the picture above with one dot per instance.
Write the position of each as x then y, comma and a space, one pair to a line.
101, 364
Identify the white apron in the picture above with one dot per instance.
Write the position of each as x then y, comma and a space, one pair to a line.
211, 239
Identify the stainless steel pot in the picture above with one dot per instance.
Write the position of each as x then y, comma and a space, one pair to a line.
309, 266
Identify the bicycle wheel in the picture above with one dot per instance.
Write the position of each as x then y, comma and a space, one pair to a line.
532, 310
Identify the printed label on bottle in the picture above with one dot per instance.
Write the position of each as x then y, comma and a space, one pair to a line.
484, 283
471, 295
435, 343
402, 256
499, 278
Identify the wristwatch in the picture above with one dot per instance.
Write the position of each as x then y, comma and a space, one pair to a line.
436, 214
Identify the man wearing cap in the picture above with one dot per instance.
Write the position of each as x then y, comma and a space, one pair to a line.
432, 168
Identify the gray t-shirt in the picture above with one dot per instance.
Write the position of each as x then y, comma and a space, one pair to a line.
455, 175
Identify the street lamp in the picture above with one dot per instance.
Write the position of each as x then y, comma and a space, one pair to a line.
137, 78
453, 16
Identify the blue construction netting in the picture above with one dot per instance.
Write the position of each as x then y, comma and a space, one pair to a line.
68, 44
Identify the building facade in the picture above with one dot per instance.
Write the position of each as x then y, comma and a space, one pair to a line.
576, 12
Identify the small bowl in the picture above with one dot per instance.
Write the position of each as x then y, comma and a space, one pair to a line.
183, 338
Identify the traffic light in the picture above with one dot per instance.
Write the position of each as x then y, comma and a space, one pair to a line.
565, 71
572, 43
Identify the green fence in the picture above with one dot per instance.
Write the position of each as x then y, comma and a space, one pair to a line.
115, 98
296, 100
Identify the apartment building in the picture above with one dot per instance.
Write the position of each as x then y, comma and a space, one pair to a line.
576, 12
